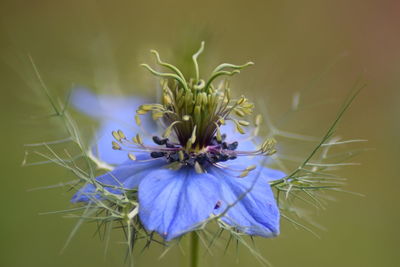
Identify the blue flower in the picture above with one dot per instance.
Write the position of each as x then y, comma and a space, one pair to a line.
175, 201
203, 165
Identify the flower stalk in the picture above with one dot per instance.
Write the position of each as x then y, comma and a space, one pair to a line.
194, 249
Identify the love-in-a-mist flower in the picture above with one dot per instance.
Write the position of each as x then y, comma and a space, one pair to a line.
206, 161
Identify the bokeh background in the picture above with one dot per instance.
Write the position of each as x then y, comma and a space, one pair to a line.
320, 48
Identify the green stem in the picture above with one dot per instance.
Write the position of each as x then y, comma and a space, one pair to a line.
194, 249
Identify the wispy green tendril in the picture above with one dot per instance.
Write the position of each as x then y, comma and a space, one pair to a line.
196, 65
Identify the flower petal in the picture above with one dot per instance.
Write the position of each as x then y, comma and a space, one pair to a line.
127, 176
102, 106
255, 211
175, 202
114, 113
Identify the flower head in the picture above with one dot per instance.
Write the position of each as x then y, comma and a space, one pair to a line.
200, 159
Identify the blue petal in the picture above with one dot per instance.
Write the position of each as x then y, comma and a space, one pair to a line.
114, 113
255, 211
102, 106
175, 202
127, 176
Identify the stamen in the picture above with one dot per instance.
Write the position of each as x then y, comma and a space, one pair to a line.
160, 141
243, 172
115, 146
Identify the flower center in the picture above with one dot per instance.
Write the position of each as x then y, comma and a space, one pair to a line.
191, 112
216, 151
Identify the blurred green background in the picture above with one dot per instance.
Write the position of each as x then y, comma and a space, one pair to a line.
323, 47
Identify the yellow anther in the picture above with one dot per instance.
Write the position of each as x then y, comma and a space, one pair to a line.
146, 107
131, 156
121, 134
115, 146
239, 112
248, 105
244, 174
116, 136
268, 145
241, 100
141, 112
137, 120
137, 139
244, 123
251, 168
238, 127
